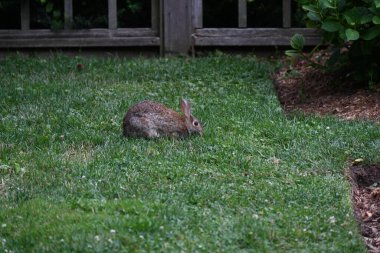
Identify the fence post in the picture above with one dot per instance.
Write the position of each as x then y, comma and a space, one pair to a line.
68, 14
112, 14
242, 9
177, 26
155, 14
286, 13
198, 13
25, 15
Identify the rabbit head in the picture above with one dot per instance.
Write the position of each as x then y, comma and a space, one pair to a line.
192, 124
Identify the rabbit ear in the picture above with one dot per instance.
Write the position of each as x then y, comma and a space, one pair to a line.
185, 108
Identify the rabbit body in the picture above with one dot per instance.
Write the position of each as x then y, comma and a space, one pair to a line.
151, 119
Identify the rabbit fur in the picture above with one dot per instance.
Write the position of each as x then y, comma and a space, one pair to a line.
151, 120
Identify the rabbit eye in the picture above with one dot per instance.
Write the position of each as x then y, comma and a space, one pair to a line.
195, 123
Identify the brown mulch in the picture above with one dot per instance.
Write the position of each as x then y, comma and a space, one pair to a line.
365, 181
303, 88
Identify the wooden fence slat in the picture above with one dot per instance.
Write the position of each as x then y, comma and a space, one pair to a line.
286, 13
254, 41
112, 14
39, 38
25, 15
70, 34
79, 42
242, 13
253, 36
155, 14
198, 13
161, 30
239, 42
255, 32
68, 9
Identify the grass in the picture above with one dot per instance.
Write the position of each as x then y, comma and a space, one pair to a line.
257, 181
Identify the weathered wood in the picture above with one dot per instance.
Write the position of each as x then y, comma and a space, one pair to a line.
242, 13
251, 32
161, 30
90, 33
25, 15
79, 42
79, 38
198, 13
286, 13
177, 26
253, 36
155, 14
112, 14
134, 32
258, 41
68, 16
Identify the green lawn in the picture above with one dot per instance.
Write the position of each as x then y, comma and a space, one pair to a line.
256, 181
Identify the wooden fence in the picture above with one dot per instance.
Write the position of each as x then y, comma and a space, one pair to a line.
244, 36
176, 27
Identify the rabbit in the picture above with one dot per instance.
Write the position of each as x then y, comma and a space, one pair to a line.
152, 120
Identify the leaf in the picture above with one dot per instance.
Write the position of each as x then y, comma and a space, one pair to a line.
371, 33
297, 42
326, 4
342, 34
366, 19
313, 16
310, 8
331, 26
293, 53
377, 3
17, 168
374, 11
354, 15
376, 20
352, 34
357, 161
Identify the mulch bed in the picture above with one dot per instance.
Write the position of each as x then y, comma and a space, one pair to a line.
301, 88
365, 181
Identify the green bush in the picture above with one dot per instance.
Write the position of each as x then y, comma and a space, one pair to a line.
352, 28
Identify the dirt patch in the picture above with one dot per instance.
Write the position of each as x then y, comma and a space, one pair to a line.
304, 88
365, 182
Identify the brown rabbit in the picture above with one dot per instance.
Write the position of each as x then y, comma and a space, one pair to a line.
150, 120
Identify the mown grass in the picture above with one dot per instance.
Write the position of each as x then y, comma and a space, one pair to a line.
256, 181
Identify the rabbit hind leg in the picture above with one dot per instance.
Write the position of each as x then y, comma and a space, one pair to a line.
151, 133
144, 127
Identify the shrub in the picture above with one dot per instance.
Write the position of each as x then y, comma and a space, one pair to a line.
352, 28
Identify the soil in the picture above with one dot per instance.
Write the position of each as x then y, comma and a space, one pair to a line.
301, 87
306, 89
365, 182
